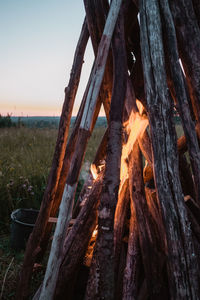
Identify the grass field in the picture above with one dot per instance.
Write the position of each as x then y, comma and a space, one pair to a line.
25, 161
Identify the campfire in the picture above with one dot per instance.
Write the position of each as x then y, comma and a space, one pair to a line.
136, 225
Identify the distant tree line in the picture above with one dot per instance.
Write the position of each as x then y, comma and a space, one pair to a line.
6, 122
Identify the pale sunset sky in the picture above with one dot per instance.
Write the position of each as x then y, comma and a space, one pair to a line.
38, 40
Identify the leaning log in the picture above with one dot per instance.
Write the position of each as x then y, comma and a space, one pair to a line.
102, 285
180, 245
188, 37
33, 246
181, 95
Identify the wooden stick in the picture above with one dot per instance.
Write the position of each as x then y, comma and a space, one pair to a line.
103, 284
188, 37
181, 95
41, 223
133, 261
178, 233
78, 239
83, 136
148, 237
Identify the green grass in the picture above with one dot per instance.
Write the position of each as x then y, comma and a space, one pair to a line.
25, 161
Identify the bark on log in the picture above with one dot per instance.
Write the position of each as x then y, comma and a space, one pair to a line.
77, 241
188, 37
102, 285
181, 256
33, 246
83, 135
133, 260
181, 95
96, 21
148, 237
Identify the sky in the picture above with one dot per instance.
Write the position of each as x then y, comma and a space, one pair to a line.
37, 44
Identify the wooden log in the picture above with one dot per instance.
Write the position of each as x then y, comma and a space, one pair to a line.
83, 136
41, 223
96, 21
133, 261
182, 271
152, 258
188, 37
136, 70
78, 237
102, 285
77, 241
181, 95
119, 227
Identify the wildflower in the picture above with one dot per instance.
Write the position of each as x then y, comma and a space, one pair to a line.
29, 188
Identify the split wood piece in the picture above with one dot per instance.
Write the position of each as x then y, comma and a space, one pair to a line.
50, 278
188, 37
182, 265
181, 95
41, 223
133, 260
101, 282
77, 241
148, 237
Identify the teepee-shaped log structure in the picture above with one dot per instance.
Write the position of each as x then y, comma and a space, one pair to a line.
136, 229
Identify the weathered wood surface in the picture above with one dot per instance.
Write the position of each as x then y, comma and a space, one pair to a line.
188, 37
96, 13
33, 246
148, 237
101, 282
77, 241
133, 261
181, 94
181, 256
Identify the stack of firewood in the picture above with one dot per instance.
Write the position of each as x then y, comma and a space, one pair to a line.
136, 226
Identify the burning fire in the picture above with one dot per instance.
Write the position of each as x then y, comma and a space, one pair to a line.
135, 127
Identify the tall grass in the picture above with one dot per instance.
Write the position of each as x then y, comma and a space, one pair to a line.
25, 161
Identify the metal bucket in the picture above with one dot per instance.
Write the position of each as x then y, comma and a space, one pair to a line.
23, 221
